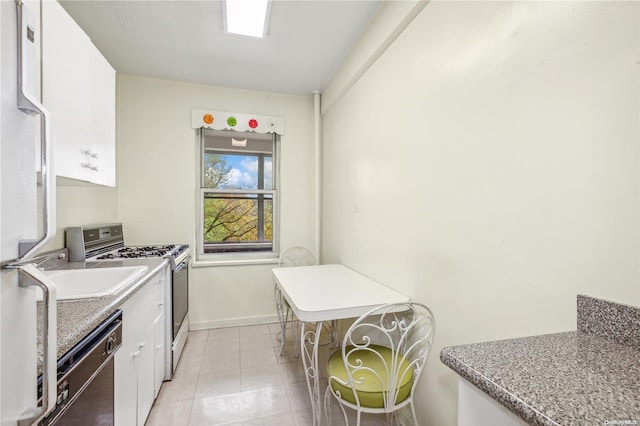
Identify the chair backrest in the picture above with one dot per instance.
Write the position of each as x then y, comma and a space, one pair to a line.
389, 346
297, 256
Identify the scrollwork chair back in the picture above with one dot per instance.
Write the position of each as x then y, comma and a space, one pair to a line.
381, 361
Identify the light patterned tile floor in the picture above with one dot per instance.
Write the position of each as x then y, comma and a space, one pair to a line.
234, 376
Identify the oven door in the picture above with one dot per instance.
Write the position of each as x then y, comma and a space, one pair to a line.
179, 295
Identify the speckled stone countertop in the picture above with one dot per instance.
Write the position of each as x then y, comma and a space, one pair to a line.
76, 318
585, 377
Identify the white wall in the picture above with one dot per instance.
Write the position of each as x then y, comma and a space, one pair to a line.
156, 158
81, 204
488, 165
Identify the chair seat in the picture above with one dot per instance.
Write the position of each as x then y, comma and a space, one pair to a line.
372, 389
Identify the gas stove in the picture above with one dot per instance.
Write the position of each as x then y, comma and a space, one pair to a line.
176, 253
106, 242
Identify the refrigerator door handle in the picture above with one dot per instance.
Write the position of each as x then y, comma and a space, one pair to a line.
27, 103
32, 276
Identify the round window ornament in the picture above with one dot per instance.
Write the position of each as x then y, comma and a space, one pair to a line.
207, 118
253, 123
231, 121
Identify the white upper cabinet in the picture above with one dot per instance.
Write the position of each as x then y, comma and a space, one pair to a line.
102, 103
78, 88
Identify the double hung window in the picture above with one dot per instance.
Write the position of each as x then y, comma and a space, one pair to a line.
238, 197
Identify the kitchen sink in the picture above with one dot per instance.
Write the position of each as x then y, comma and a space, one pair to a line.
92, 282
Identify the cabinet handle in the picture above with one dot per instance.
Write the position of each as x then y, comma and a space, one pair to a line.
89, 153
142, 345
89, 166
136, 354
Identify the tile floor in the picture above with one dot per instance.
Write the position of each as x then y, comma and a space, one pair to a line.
234, 376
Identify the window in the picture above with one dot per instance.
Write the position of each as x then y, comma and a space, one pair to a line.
238, 197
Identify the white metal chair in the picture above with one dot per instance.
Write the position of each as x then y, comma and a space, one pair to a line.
294, 256
381, 360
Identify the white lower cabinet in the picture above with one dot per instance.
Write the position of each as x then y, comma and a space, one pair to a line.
476, 408
140, 362
159, 353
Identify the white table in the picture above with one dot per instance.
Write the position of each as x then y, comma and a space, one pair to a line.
324, 293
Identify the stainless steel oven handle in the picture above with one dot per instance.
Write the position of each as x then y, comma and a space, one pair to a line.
29, 276
182, 264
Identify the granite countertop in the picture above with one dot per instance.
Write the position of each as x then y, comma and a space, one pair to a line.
588, 376
76, 318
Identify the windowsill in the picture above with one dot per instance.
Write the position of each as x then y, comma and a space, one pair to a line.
204, 263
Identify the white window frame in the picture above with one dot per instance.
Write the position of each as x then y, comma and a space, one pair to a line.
256, 257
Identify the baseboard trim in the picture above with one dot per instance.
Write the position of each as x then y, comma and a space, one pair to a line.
233, 322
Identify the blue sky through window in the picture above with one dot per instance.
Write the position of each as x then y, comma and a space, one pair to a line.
244, 171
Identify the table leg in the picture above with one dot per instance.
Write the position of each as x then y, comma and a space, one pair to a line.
282, 317
335, 341
309, 345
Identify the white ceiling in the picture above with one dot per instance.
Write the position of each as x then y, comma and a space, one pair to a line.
184, 40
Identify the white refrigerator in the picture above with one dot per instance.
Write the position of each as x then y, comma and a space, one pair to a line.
20, 219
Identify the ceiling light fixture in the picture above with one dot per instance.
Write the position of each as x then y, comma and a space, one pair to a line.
246, 17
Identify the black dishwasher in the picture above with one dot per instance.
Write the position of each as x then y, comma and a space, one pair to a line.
85, 378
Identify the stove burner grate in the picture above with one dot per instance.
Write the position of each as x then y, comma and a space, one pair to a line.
134, 252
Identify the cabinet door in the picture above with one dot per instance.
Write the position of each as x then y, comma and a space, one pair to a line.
160, 328
65, 84
78, 87
126, 368
102, 104
146, 369
159, 347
